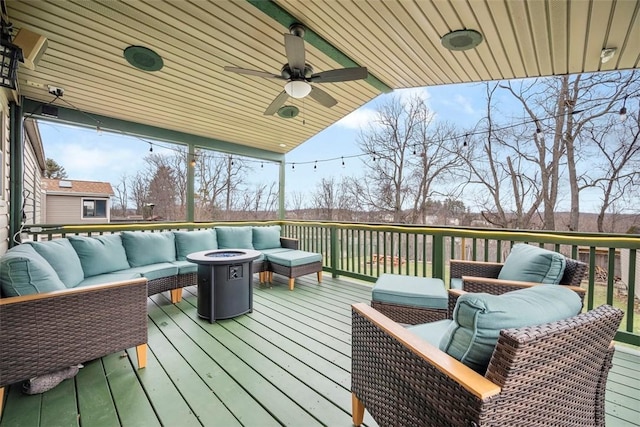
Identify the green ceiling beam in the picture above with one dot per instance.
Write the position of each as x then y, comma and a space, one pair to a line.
276, 12
71, 116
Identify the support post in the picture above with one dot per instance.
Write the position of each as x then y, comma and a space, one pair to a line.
281, 199
438, 256
190, 184
16, 171
335, 250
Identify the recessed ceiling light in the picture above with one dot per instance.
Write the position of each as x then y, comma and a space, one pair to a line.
283, 145
461, 39
143, 58
288, 111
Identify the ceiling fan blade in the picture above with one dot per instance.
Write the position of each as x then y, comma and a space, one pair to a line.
340, 75
322, 97
294, 47
257, 73
276, 104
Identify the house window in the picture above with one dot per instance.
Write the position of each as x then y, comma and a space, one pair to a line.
92, 208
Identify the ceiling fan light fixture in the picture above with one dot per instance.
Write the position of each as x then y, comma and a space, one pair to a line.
461, 39
297, 88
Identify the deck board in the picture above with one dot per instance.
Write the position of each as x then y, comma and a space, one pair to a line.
286, 363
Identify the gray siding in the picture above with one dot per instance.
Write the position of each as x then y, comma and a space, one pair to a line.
32, 184
63, 209
4, 172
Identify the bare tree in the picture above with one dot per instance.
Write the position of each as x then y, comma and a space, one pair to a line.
397, 178
122, 196
139, 185
615, 170
508, 194
560, 108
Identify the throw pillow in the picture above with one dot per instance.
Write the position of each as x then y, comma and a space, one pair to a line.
528, 263
478, 319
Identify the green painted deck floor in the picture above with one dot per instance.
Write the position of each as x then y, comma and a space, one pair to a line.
287, 363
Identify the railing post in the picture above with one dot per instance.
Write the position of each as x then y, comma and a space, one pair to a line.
438, 256
335, 250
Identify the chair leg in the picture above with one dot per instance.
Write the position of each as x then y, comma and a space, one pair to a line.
176, 295
291, 283
357, 410
141, 352
320, 276
1, 400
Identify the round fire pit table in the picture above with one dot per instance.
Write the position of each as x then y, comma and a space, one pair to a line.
224, 282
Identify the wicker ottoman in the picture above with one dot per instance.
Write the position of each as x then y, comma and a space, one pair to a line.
410, 300
294, 264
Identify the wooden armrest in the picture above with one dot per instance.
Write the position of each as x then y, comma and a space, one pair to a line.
289, 243
71, 291
473, 382
457, 292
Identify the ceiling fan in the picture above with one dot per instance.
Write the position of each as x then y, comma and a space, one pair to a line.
298, 74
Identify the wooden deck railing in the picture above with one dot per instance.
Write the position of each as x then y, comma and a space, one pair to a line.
364, 251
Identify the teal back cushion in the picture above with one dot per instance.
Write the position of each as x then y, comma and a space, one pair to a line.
149, 248
63, 258
194, 241
101, 254
23, 271
478, 319
234, 237
529, 263
266, 237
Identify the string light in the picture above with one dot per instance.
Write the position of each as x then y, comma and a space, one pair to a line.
293, 166
623, 110
315, 167
622, 113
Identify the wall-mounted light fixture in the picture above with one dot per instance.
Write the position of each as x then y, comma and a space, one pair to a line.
11, 55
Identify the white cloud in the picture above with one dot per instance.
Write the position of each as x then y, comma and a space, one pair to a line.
359, 119
464, 104
407, 94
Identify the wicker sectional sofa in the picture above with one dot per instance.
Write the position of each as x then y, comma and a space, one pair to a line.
79, 261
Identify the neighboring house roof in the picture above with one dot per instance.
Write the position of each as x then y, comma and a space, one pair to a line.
77, 188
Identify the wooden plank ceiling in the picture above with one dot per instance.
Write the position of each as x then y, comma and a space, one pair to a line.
398, 41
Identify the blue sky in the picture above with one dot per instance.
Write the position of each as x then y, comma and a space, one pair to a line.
87, 155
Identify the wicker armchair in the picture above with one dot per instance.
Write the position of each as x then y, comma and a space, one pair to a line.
550, 374
478, 276
42, 333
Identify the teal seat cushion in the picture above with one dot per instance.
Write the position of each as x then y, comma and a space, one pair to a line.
186, 267
431, 332
409, 290
529, 263
156, 271
24, 271
101, 254
63, 258
294, 258
478, 319
234, 237
148, 248
267, 237
456, 283
274, 250
194, 241
116, 276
